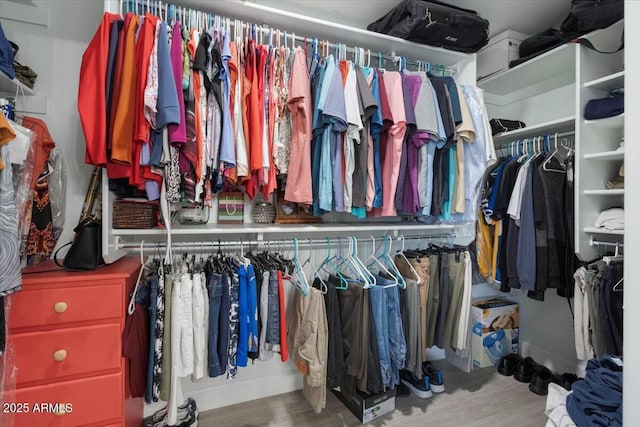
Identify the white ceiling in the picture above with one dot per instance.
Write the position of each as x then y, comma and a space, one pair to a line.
526, 16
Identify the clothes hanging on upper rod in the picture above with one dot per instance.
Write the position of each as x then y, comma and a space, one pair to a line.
244, 114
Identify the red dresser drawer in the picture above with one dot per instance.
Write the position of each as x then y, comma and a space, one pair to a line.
49, 306
46, 356
89, 401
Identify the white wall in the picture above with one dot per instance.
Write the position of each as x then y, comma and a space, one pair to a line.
632, 213
54, 51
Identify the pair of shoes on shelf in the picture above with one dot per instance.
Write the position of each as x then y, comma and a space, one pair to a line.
431, 382
187, 416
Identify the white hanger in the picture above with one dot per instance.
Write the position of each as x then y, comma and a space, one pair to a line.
316, 274
373, 260
298, 278
392, 265
400, 252
132, 302
365, 275
545, 164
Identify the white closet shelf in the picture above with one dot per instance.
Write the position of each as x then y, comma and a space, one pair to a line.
227, 229
606, 155
321, 29
605, 192
607, 83
615, 122
554, 63
13, 87
596, 230
561, 125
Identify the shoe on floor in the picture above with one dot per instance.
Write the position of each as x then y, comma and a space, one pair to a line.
525, 369
565, 380
161, 414
540, 381
419, 387
436, 381
508, 364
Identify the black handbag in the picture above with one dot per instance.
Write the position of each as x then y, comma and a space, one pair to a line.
436, 24
86, 249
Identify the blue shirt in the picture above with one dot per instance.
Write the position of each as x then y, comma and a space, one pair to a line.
376, 130
227, 146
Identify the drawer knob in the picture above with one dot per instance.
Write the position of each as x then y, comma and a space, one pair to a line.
60, 307
60, 355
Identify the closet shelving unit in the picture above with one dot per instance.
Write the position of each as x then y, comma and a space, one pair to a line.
598, 157
463, 65
13, 87
549, 93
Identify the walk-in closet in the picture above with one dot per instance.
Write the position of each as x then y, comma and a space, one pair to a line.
331, 213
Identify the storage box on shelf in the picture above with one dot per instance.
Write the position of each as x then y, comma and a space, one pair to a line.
501, 50
65, 330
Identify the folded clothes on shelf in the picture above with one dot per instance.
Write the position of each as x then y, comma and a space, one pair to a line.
617, 182
611, 219
604, 107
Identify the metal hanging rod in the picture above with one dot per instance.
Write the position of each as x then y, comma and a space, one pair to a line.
550, 135
593, 242
271, 243
191, 17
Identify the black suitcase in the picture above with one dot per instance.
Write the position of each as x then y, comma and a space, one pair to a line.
436, 24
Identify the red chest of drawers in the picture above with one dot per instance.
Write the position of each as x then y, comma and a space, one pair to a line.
65, 347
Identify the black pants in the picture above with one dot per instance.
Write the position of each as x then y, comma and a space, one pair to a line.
611, 308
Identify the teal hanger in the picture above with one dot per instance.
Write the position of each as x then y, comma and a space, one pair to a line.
329, 261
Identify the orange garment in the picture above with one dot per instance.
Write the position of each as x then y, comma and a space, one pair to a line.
92, 104
41, 147
245, 101
197, 85
122, 143
6, 134
232, 172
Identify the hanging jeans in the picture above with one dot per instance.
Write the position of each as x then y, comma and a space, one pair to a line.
397, 343
234, 323
378, 298
243, 315
214, 285
273, 321
224, 324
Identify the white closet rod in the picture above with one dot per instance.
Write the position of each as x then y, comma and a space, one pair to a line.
202, 19
133, 247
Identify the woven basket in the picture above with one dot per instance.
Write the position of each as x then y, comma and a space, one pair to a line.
130, 214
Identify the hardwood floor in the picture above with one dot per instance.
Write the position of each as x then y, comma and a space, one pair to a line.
482, 398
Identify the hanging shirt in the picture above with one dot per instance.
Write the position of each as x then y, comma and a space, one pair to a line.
318, 127
177, 132
227, 146
92, 93
360, 174
391, 143
298, 188
352, 138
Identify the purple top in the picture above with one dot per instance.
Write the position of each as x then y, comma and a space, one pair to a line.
177, 133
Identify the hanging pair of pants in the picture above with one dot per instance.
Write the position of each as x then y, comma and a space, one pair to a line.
200, 326
455, 286
593, 277
215, 288
611, 308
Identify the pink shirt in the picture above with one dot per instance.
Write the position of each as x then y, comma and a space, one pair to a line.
298, 188
391, 142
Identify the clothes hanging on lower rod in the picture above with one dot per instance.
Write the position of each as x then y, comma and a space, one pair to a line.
598, 309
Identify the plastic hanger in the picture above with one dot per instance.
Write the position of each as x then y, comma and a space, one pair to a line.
392, 266
132, 302
349, 262
298, 278
329, 261
545, 164
401, 254
372, 260
316, 275
616, 256
354, 253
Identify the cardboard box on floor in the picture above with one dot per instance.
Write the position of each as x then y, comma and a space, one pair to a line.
368, 407
495, 330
